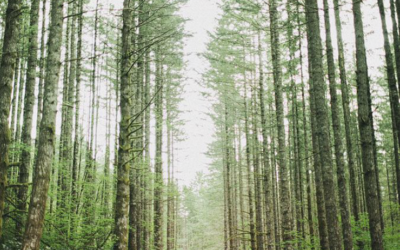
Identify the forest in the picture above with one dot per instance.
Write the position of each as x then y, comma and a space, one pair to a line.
302, 97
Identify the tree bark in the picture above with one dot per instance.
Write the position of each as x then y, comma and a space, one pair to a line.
287, 226
158, 182
390, 71
76, 149
7, 68
346, 112
338, 144
122, 202
42, 68
249, 179
267, 175
366, 133
322, 124
28, 111
41, 180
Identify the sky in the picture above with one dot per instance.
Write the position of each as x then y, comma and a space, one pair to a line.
189, 154
199, 129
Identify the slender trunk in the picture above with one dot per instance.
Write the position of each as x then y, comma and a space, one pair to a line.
22, 74
46, 146
42, 62
366, 133
287, 226
169, 184
396, 159
147, 183
76, 150
397, 58
140, 133
321, 213
7, 68
64, 170
338, 144
28, 112
322, 124
228, 186
241, 195
306, 155
122, 202
134, 174
275, 188
14, 96
346, 112
298, 162
267, 177
226, 217
158, 182
249, 179
42, 68
391, 78
257, 175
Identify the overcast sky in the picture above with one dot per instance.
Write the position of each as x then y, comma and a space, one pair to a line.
202, 18
202, 15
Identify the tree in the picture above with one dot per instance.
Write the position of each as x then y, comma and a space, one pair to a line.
338, 144
366, 133
29, 99
41, 179
122, 202
7, 67
322, 125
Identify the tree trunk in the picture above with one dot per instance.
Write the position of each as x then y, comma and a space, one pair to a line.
148, 178
249, 179
257, 175
346, 112
41, 69
287, 226
267, 177
28, 112
7, 68
365, 127
122, 202
390, 72
41, 180
397, 58
75, 157
338, 144
158, 182
322, 124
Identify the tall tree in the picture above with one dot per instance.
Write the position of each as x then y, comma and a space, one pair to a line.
122, 202
23, 177
7, 68
41, 179
337, 134
322, 124
267, 177
366, 133
158, 168
283, 171
41, 68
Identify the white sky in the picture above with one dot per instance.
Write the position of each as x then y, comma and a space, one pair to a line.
199, 127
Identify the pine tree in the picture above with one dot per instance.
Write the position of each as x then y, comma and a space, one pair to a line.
41, 179
122, 202
366, 133
7, 68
